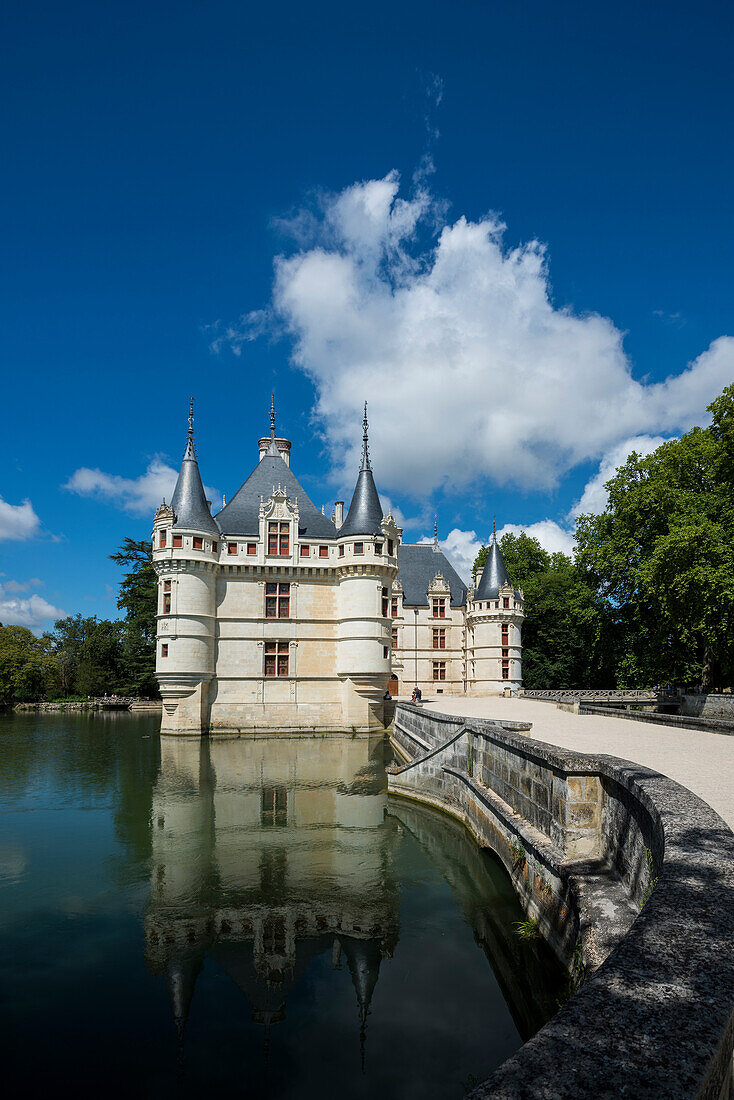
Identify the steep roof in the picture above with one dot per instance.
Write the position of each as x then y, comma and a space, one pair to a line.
189, 499
418, 564
494, 574
241, 516
365, 512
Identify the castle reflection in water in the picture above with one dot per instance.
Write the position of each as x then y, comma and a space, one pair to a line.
270, 852
267, 853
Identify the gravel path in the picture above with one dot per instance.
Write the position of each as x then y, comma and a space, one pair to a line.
703, 762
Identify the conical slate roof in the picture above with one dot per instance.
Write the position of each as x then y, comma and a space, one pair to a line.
189, 499
365, 512
241, 516
494, 574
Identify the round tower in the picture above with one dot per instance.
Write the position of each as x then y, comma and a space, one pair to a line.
367, 566
495, 613
186, 548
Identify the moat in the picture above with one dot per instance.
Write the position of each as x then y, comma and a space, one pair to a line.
250, 915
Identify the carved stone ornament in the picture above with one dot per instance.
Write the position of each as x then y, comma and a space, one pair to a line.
279, 506
165, 513
438, 585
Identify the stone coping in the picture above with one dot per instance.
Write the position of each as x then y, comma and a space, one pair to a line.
680, 721
657, 1017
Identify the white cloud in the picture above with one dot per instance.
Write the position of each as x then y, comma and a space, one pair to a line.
470, 369
139, 495
18, 521
31, 611
594, 497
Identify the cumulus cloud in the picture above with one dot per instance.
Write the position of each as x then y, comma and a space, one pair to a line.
31, 611
18, 521
138, 495
594, 497
472, 372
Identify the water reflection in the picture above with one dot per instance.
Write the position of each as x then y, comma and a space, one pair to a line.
265, 855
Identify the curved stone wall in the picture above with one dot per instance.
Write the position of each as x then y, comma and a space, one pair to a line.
631, 879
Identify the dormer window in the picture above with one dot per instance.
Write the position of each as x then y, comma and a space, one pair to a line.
505, 601
439, 607
279, 539
390, 547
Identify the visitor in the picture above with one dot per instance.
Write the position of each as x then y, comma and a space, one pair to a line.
416, 696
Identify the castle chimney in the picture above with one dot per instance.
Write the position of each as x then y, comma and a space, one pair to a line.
338, 513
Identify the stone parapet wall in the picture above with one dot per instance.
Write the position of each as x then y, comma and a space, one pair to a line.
708, 725
631, 879
708, 706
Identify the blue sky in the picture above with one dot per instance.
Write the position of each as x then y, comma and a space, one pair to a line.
225, 199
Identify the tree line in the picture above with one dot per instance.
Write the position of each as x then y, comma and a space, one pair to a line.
647, 596
83, 657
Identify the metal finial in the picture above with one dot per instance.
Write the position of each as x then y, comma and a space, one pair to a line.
190, 448
365, 441
272, 415
494, 527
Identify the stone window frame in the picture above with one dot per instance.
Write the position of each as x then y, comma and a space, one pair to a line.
197, 542
440, 603
279, 537
278, 598
276, 659
439, 671
439, 637
177, 542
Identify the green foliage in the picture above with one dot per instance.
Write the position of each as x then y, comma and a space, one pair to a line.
28, 667
89, 655
519, 855
649, 594
138, 599
526, 929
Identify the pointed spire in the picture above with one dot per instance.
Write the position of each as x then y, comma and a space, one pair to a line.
436, 547
189, 501
365, 441
272, 415
365, 512
494, 574
190, 451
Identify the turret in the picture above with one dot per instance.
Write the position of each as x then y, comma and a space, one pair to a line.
186, 547
495, 614
367, 566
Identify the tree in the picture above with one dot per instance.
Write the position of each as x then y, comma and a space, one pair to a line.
88, 652
138, 599
662, 556
28, 668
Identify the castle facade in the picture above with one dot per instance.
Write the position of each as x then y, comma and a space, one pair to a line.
273, 616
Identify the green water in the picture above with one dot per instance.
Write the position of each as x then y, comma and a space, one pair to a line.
256, 917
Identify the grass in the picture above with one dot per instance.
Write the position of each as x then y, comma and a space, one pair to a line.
526, 929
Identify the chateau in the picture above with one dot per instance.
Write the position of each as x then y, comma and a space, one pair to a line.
274, 616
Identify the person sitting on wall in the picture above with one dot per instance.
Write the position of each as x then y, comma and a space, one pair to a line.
416, 696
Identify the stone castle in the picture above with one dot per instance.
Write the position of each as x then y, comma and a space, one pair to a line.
273, 616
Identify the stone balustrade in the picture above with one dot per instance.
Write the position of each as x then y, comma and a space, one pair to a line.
629, 876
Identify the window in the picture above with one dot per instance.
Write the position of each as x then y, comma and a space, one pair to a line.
277, 601
276, 658
359, 548
166, 597
439, 607
177, 542
274, 806
385, 602
252, 548
323, 551
215, 547
395, 637
390, 547
505, 670
164, 649
279, 539
505, 634
341, 551
439, 670
162, 538
496, 604
439, 638
394, 607
378, 547
505, 652
384, 651
305, 551
231, 547
505, 601
198, 543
